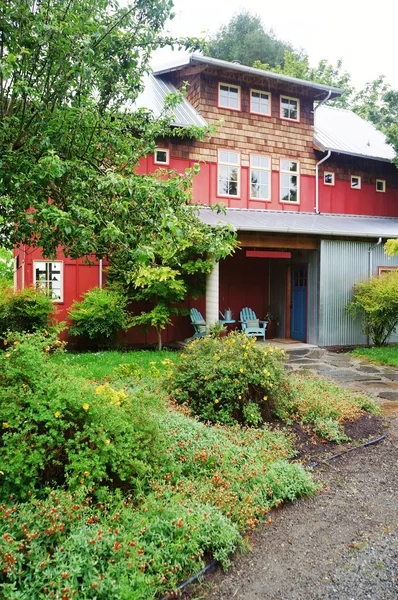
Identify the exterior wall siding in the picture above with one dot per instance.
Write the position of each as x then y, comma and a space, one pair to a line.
342, 264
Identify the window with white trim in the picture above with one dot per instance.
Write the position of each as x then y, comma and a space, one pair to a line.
328, 178
48, 276
290, 173
260, 103
260, 177
228, 173
355, 182
380, 185
162, 156
229, 96
290, 108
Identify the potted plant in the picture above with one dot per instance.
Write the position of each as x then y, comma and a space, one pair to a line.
272, 324
217, 330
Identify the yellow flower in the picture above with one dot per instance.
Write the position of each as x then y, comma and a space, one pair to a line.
265, 397
56, 414
85, 406
16, 343
99, 389
170, 374
86, 473
7, 355
5, 425
107, 441
240, 397
216, 401
241, 370
216, 357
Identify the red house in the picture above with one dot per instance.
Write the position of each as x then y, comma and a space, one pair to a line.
310, 189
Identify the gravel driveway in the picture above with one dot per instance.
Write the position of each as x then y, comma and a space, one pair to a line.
341, 544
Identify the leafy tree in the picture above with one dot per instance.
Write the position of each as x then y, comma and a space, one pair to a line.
376, 300
377, 103
245, 39
70, 140
6, 268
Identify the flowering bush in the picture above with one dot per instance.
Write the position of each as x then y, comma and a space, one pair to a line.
25, 310
56, 428
228, 380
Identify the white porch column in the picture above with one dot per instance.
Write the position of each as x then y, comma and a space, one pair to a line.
212, 295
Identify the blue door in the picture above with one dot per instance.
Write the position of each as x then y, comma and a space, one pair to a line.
298, 313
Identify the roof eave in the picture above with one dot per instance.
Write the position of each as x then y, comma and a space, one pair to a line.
323, 148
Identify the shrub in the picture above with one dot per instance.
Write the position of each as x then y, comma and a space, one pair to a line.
24, 310
100, 315
228, 380
377, 301
56, 428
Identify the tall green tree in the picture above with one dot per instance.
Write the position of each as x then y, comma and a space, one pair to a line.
245, 39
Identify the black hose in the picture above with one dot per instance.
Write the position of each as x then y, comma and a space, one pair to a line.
213, 563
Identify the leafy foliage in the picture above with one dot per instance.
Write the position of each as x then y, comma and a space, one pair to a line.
376, 301
245, 39
100, 315
25, 310
57, 428
228, 380
6, 268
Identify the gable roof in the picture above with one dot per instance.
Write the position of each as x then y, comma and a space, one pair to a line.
345, 132
279, 221
197, 59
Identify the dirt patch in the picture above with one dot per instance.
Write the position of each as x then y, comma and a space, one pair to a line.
312, 545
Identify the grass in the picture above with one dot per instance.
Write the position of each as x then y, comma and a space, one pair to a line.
385, 355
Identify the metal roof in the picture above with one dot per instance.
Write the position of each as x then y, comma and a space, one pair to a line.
153, 98
275, 221
345, 132
223, 64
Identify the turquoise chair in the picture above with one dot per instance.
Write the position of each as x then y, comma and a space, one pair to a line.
199, 324
252, 326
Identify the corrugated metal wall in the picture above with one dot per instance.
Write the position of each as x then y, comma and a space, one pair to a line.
342, 264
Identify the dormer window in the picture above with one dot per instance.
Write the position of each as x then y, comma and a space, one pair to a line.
380, 185
355, 182
260, 103
229, 96
162, 156
290, 108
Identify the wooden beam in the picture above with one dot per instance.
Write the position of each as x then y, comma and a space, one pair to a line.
267, 254
248, 239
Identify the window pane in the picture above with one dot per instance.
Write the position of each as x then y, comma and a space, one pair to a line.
223, 157
328, 178
285, 165
233, 158
161, 156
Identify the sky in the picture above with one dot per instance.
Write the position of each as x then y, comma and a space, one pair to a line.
362, 33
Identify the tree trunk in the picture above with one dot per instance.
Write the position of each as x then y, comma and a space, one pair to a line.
159, 332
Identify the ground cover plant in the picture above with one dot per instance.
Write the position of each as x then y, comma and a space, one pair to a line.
158, 494
25, 310
386, 355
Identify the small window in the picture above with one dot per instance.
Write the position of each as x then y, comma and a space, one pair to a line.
260, 177
260, 103
380, 185
384, 270
228, 173
290, 182
162, 156
290, 108
229, 96
328, 178
355, 182
48, 276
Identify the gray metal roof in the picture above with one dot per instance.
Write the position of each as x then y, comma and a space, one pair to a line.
345, 132
153, 97
223, 64
275, 221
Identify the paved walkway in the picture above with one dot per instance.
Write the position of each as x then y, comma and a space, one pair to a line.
354, 373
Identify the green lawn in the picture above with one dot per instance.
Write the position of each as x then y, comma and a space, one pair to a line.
386, 355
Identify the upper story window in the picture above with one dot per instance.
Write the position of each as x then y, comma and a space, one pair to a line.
260, 177
162, 156
229, 96
355, 182
260, 103
290, 108
290, 182
328, 178
228, 173
48, 276
380, 185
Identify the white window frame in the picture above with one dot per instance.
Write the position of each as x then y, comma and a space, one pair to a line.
230, 85
36, 282
356, 187
162, 162
228, 165
289, 98
291, 173
256, 112
267, 169
324, 178
383, 183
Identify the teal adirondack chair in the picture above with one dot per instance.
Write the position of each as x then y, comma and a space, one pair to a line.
252, 326
199, 324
